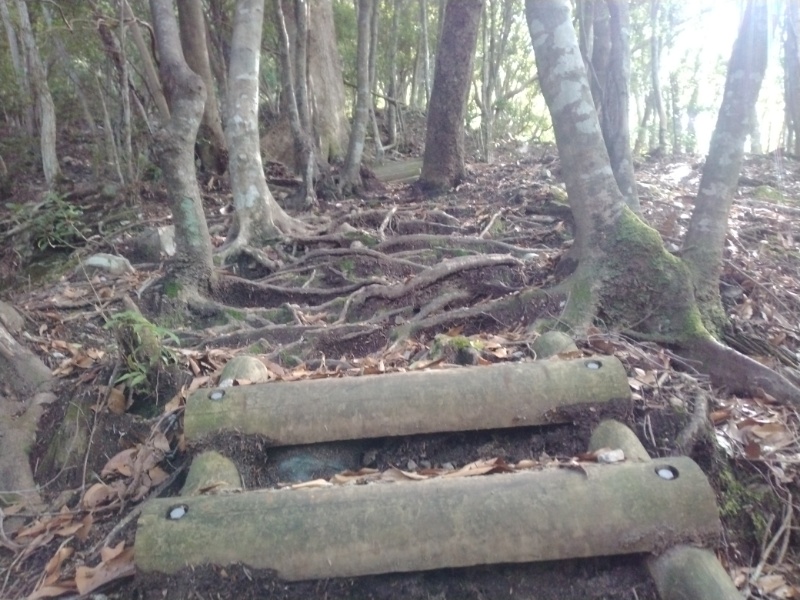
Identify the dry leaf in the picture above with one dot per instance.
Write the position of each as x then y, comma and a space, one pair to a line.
116, 563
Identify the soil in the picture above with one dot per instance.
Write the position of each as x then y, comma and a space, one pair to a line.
513, 201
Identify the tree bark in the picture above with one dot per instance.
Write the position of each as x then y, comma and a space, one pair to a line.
615, 117
426, 51
392, 87
655, 63
374, 26
791, 76
705, 239
297, 103
211, 141
258, 218
41, 93
192, 266
20, 71
351, 176
150, 77
443, 163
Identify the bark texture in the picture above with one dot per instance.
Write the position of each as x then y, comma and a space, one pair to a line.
41, 92
258, 218
705, 239
211, 141
443, 163
174, 144
351, 177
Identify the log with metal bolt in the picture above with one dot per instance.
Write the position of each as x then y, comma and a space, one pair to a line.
344, 531
659, 507
443, 400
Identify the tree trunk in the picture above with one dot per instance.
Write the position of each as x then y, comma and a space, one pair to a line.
258, 218
41, 93
20, 71
211, 141
655, 63
299, 119
425, 50
351, 176
615, 118
373, 84
150, 76
676, 131
126, 134
705, 238
791, 75
624, 273
392, 87
494, 44
443, 162
192, 267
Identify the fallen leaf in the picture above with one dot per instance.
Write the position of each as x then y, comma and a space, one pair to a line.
116, 563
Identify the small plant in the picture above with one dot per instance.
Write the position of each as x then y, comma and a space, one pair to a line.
142, 349
53, 224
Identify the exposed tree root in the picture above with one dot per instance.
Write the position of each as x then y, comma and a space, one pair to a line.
423, 240
739, 373
427, 278
286, 334
697, 427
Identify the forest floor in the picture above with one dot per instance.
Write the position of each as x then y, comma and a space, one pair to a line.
507, 209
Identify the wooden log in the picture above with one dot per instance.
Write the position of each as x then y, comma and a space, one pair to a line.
682, 572
446, 522
688, 573
473, 398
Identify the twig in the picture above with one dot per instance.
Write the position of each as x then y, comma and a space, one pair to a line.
136, 511
491, 223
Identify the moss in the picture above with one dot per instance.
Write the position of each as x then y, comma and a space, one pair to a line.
746, 500
257, 348
346, 266
769, 194
369, 241
236, 315
172, 289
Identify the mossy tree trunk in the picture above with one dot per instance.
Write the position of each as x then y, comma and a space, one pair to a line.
624, 274
705, 238
192, 267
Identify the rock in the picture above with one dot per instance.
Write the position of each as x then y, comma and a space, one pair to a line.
110, 263
552, 343
244, 367
153, 242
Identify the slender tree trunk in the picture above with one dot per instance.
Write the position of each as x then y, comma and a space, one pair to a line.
125, 95
41, 92
615, 117
68, 63
443, 163
150, 74
655, 63
426, 50
351, 177
676, 132
303, 146
373, 84
20, 71
258, 218
705, 238
211, 140
641, 136
791, 76
392, 88
192, 266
